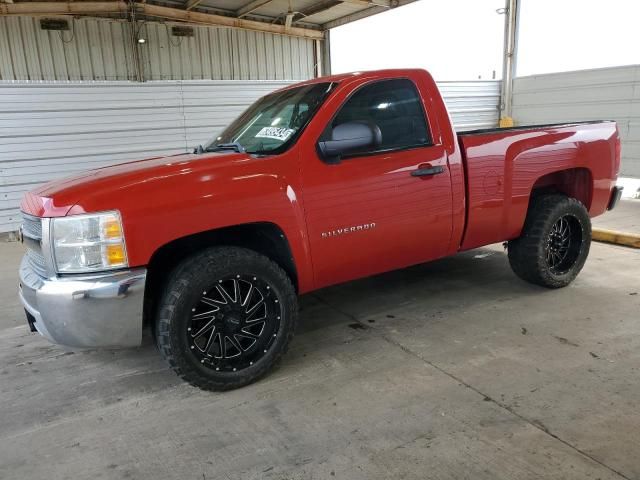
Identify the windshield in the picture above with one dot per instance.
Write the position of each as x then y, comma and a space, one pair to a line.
273, 123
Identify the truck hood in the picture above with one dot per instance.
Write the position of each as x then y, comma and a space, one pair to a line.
65, 196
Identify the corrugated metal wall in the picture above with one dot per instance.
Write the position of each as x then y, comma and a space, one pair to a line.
223, 53
50, 130
97, 49
608, 93
473, 104
91, 50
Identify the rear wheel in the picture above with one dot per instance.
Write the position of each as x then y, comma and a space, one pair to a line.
226, 318
555, 241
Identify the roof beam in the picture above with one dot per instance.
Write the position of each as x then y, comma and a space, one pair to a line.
192, 4
211, 19
94, 8
62, 8
369, 3
254, 5
367, 12
375, 7
251, 7
318, 8
323, 6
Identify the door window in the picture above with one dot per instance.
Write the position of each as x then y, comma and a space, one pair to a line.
394, 107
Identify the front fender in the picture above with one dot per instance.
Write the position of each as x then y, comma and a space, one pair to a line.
160, 209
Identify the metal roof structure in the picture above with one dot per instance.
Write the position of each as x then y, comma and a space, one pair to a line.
304, 18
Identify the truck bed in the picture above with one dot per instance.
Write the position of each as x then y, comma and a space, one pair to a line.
504, 165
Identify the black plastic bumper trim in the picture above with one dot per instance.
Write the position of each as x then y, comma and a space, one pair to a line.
31, 321
616, 193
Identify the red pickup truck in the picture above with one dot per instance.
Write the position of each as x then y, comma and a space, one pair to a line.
321, 182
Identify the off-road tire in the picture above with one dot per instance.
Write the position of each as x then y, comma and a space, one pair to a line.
183, 290
528, 253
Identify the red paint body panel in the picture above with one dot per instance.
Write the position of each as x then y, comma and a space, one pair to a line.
480, 198
413, 217
503, 167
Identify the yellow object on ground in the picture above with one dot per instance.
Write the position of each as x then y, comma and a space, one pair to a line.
619, 238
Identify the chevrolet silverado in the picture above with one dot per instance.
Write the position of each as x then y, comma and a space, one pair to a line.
319, 183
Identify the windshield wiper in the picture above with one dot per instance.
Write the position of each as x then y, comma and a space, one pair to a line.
226, 146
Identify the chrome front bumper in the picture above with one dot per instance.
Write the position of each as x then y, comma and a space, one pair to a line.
98, 310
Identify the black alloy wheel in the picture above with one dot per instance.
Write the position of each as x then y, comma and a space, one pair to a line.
226, 317
563, 244
554, 243
234, 323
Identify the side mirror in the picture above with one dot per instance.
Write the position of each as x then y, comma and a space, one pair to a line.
348, 138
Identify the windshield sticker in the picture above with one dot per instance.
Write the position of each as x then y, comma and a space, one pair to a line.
277, 133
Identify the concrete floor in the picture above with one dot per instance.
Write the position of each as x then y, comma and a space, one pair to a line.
450, 370
624, 218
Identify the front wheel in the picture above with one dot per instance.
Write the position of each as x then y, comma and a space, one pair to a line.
554, 243
226, 318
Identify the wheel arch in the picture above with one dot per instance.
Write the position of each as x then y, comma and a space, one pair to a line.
265, 238
573, 182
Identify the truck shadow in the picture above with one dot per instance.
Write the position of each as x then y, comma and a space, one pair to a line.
447, 285
440, 290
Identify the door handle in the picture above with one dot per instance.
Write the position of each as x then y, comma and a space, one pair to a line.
423, 172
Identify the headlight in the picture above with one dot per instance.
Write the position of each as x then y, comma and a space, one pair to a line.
85, 243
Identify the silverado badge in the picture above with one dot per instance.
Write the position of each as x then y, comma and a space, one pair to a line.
343, 230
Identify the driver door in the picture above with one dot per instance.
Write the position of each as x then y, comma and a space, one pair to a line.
369, 212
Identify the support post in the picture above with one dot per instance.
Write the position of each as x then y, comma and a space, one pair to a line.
509, 62
317, 58
326, 54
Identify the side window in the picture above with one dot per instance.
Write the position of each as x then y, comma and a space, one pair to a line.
395, 107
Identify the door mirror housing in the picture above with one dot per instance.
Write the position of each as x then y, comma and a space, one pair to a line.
349, 137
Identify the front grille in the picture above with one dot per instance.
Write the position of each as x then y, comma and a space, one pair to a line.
37, 262
32, 227
32, 233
